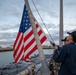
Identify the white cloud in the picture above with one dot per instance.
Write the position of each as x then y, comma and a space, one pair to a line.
9, 30
11, 14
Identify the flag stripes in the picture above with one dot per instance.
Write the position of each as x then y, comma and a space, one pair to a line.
25, 43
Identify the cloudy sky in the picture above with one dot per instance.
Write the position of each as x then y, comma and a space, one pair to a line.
11, 13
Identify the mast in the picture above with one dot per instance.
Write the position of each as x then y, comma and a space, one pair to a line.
61, 23
45, 69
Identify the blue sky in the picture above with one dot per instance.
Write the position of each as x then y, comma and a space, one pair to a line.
11, 14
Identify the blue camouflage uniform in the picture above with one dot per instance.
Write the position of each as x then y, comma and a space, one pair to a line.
66, 56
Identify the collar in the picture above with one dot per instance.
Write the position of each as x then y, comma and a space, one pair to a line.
72, 43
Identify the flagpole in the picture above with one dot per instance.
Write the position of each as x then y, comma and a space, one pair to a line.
61, 23
45, 70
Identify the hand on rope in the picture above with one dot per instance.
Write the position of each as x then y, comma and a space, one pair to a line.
54, 45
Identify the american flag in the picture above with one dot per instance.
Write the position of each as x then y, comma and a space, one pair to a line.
25, 43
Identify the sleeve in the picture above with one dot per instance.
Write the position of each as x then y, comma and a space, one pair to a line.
59, 56
59, 48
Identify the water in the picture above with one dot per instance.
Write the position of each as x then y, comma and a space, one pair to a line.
7, 57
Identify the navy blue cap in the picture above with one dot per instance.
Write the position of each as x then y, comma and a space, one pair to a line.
73, 34
64, 39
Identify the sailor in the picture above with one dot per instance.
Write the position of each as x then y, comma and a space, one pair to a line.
57, 46
67, 56
53, 65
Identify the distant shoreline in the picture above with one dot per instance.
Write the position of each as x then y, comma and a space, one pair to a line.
11, 49
6, 49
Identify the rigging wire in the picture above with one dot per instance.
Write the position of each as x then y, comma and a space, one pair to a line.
42, 20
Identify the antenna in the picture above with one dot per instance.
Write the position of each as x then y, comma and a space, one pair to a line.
61, 23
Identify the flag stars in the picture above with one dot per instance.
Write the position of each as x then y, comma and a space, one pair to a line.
27, 16
25, 12
26, 24
24, 16
26, 20
25, 27
29, 24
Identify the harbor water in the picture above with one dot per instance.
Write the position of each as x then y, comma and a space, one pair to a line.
7, 57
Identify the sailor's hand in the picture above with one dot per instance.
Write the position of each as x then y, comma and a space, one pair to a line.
52, 43
56, 47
